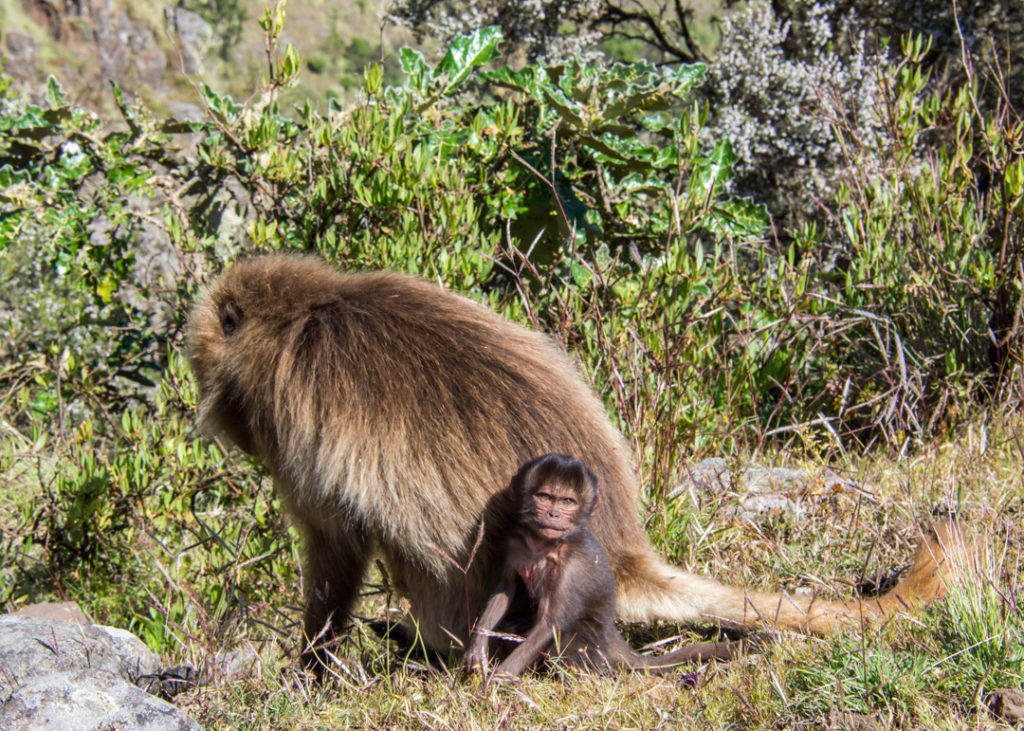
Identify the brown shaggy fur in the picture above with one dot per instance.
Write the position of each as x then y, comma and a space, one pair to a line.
391, 414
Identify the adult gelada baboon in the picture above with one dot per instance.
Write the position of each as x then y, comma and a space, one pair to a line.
391, 413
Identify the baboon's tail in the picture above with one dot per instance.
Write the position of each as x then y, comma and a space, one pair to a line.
650, 590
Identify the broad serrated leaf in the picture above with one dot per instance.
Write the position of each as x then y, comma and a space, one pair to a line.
622, 131
741, 218
628, 155
688, 76
711, 171
581, 275
467, 52
637, 182
55, 95
647, 101
566, 109
528, 80
722, 159
606, 150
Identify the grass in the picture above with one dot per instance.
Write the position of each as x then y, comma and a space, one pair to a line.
931, 669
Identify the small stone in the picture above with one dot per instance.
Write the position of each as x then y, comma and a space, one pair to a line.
1007, 704
851, 721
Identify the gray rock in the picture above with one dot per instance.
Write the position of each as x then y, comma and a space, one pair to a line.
713, 477
32, 647
21, 47
88, 700
111, 53
194, 35
143, 50
756, 508
185, 111
241, 662
762, 479
1007, 705
707, 477
763, 492
55, 612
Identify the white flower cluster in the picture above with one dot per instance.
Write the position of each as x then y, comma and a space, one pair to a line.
545, 31
778, 107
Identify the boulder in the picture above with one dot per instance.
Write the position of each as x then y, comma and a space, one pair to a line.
75, 675
30, 647
56, 612
88, 700
760, 492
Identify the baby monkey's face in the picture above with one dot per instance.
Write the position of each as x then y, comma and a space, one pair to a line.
555, 510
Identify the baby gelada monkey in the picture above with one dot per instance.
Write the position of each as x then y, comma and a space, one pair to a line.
569, 602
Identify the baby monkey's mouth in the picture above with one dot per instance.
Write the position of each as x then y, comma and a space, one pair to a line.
552, 530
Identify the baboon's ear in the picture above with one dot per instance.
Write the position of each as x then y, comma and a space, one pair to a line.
231, 317
597, 499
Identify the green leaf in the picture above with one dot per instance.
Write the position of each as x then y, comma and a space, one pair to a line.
722, 159
528, 80
688, 76
415, 68
126, 111
567, 110
710, 172
581, 275
467, 52
55, 96
222, 107
373, 78
291, 64
741, 219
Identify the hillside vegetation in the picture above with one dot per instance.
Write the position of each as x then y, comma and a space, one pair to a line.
880, 338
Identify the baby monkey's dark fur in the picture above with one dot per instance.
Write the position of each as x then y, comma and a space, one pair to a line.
569, 586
